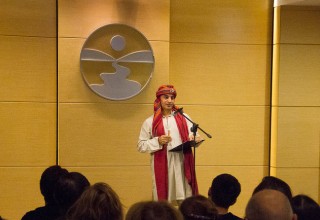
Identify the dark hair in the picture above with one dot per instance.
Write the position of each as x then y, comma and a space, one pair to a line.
305, 207
68, 189
271, 182
224, 190
48, 181
81, 180
98, 202
153, 210
198, 208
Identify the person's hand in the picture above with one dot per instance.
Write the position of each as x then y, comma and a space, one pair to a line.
164, 139
198, 138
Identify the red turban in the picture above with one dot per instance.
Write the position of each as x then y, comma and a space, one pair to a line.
166, 89
157, 118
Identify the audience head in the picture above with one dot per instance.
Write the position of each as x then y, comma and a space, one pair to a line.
80, 180
269, 204
271, 182
98, 202
198, 207
224, 190
305, 207
69, 188
153, 210
48, 181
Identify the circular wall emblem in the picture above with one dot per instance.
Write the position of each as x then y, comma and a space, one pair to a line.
116, 62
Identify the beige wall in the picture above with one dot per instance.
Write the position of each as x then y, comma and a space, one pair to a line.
27, 101
295, 104
219, 57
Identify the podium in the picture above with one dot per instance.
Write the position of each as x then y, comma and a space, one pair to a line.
186, 146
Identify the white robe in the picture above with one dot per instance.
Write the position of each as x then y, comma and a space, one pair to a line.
178, 188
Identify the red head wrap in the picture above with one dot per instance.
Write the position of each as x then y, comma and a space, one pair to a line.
166, 89
162, 90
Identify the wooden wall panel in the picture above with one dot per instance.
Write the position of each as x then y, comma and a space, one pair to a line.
274, 139
28, 18
29, 135
27, 101
19, 191
275, 75
299, 77
131, 183
229, 21
227, 74
235, 130
72, 87
298, 137
79, 18
28, 69
108, 134
295, 123
300, 25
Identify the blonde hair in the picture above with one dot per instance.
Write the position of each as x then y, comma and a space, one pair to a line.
98, 202
153, 210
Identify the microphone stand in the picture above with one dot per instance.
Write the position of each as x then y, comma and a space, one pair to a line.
194, 129
195, 126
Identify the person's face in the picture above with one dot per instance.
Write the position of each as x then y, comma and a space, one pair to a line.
167, 102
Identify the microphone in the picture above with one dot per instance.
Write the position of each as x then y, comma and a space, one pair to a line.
178, 111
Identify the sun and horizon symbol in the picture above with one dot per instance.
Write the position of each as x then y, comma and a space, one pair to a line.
116, 84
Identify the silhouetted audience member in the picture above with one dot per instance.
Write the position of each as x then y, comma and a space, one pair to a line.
305, 207
198, 207
224, 192
68, 189
98, 202
271, 182
153, 210
48, 181
82, 181
269, 204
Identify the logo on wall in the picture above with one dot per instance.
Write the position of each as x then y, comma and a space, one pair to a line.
116, 62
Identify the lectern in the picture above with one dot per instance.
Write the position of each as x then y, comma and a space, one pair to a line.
186, 146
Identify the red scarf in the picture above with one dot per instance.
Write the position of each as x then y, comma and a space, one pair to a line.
160, 157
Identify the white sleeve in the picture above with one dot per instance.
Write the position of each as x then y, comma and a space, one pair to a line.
148, 143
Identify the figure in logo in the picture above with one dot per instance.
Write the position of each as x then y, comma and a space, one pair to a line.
116, 86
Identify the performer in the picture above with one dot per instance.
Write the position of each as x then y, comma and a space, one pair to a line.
173, 174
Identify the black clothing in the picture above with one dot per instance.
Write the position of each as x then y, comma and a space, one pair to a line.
48, 212
228, 216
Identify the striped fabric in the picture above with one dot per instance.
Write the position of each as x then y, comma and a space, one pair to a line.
157, 118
